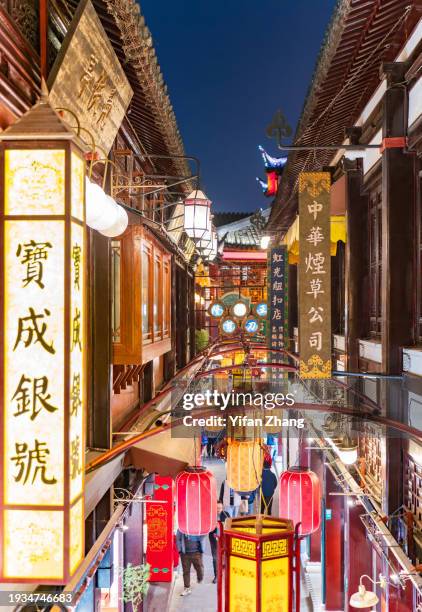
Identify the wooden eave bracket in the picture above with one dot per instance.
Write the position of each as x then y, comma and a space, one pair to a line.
395, 142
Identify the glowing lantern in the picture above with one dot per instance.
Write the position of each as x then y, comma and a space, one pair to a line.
197, 217
43, 364
196, 494
255, 565
300, 498
244, 465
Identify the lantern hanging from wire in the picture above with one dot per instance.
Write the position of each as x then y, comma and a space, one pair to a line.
244, 465
300, 498
197, 217
196, 498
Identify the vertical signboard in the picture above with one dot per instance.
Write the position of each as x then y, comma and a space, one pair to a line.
160, 519
314, 275
277, 305
43, 363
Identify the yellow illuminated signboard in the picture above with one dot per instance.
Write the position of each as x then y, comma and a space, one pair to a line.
43, 362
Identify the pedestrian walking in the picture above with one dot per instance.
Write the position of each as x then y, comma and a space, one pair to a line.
191, 549
222, 515
268, 486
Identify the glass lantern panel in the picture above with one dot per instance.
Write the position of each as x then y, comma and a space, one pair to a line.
34, 182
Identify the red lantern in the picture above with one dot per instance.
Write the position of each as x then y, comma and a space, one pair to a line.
272, 183
196, 493
300, 498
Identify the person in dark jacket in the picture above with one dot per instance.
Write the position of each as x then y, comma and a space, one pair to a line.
222, 515
191, 549
268, 486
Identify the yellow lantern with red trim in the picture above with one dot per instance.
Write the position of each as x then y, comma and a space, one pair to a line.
255, 568
43, 348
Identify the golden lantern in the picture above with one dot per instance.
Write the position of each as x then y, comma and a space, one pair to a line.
255, 567
244, 424
43, 364
273, 421
244, 464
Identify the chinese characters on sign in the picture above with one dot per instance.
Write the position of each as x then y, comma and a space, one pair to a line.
44, 343
314, 275
87, 78
277, 287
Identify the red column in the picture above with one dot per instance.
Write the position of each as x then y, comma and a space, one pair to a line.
334, 570
358, 555
316, 466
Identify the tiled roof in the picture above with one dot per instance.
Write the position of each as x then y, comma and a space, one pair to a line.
241, 232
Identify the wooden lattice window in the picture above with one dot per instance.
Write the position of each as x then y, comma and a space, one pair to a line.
370, 460
413, 488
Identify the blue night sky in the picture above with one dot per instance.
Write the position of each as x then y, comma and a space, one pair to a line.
229, 65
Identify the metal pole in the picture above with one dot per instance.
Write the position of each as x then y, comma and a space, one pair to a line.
328, 147
298, 540
220, 544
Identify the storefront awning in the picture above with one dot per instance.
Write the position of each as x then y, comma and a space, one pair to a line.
338, 233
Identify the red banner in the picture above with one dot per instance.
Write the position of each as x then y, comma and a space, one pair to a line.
160, 520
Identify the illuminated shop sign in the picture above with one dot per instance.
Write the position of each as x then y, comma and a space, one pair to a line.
43, 361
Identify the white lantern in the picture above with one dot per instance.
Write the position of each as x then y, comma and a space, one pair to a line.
120, 224
197, 223
101, 210
347, 451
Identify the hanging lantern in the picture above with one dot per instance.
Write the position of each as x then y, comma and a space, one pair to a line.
256, 569
244, 465
197, 223
300, 498
196, 495
272, 183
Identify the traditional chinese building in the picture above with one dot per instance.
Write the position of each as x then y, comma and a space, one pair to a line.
365, 91
103, 78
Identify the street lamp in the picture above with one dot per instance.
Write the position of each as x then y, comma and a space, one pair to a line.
197, 219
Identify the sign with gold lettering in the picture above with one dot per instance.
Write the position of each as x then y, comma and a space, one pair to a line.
87, 79
314, 275
43, 350
160, 527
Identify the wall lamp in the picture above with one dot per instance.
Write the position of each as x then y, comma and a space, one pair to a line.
367, 599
